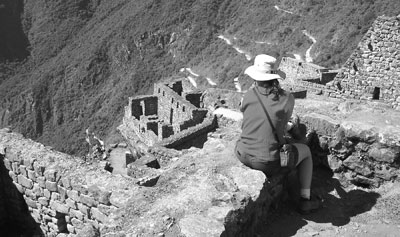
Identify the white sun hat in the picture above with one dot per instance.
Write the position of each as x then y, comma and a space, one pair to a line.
262, 68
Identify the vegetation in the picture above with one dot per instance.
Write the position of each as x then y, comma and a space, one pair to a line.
70, 65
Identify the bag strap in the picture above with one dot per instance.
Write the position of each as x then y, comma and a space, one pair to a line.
269, 118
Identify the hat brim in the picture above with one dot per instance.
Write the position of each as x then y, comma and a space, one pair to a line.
258, 75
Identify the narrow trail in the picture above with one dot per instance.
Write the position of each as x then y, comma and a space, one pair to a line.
240, 51
280, 9
194, 76
309, 59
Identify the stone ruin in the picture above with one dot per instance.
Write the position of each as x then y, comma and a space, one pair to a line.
298, 71
372, 72
304, 76
172, 117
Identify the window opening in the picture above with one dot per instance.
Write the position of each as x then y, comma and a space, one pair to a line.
376, 93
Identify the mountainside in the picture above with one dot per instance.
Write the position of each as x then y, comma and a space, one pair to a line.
66, 66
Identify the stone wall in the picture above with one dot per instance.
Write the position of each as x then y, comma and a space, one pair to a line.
62, 193
296, 70
195, 135
166, 114
360, 153
67, 197
142, 105
173, 108
372, 72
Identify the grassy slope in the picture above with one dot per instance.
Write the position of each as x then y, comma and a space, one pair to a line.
87, 57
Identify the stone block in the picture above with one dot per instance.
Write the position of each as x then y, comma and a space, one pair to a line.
44, 228
22, 170
89, 201
51, 186
27, 163
74, 195
25, 182
71, 203
15, 167
31, 175
50, 212
70, 229
51, 175
36, 215
41, 181
77, 223
84, 209
31, 203
55, 196
83, 189
30, 193
104, 197
76, 214
63, 193
386, 155
66, 183
119, 198
59, 207
53, 227
39, 169
43, 201
7, 162
36, 190
47, 193
13, 176
358, 165
98, 215
93, 223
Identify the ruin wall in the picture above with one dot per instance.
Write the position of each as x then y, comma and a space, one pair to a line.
372, 72
63, 194
190, 133
142, 105
173, 109
296, 70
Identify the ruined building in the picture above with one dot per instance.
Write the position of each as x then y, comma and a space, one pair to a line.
297, 70
171, 117
372, 72
303, 75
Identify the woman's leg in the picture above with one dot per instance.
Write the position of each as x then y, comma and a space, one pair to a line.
268, 167
305, 169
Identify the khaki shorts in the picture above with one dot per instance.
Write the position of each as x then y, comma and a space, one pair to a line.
269, 168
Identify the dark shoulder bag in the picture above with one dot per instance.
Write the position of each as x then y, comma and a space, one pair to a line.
287, 151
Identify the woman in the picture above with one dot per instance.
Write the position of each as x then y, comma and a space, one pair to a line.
259, 145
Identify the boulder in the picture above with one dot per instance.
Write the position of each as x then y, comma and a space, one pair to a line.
323, 125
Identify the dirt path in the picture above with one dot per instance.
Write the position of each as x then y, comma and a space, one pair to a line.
347, 211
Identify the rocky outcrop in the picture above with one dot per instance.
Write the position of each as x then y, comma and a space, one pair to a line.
363, 154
